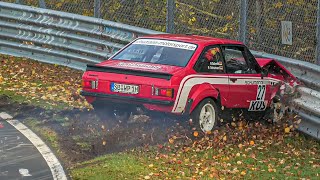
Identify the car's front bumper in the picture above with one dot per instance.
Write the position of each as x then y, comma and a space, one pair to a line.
127, 98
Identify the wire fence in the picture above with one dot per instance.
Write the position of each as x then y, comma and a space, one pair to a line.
218, 18
264, 27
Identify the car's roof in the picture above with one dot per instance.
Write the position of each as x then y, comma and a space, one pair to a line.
195, 39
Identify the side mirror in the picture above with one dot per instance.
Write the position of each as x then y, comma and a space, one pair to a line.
264, 72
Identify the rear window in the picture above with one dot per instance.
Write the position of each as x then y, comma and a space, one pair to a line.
158, 51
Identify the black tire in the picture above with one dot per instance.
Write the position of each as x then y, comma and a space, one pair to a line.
205, 124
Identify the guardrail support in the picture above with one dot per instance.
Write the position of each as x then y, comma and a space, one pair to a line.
97, 6
170, 16
243, 21
42, 4
318, 35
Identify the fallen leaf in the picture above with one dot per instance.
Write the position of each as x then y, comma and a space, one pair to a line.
243, 173
224, 138
287, 130
251, 142
233, 124
240, 146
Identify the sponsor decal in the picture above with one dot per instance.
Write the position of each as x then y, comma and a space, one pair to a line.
215, 63
165, 43
140, 66
215, 67
259, 104
256, 82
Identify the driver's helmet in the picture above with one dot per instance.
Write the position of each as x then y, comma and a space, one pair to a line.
209, 55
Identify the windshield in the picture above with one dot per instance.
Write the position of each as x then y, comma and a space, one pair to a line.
157, 51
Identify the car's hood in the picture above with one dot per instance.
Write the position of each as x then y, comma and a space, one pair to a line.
150, 67
265, 61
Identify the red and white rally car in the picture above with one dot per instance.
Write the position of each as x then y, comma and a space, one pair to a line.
186, 75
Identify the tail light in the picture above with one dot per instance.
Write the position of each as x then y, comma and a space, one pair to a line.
166, 92
86, 84
89, 84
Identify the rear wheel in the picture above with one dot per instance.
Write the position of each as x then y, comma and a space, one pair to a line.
205, 116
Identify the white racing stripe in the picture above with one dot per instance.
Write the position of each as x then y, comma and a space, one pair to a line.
189, 81
53, 163
186, 85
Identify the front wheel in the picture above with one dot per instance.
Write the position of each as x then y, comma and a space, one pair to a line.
205, 116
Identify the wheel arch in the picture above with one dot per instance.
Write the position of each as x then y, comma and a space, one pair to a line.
202, 92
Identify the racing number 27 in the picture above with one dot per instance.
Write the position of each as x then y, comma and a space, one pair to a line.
261, 92
259, 104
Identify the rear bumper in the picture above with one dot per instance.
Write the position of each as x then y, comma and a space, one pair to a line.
127, 98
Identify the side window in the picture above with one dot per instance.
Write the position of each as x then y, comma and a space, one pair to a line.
252, 61
210, 61
236, 62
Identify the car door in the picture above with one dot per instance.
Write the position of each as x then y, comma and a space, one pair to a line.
210, 69
247, 87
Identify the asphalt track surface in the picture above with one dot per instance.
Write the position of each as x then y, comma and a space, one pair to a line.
19, 158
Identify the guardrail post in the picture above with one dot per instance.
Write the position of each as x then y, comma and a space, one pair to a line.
18, 2
97, 7
318, 35
42, 4
170, 16
243, 21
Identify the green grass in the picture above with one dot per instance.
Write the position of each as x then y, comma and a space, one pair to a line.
298, 157
114, 166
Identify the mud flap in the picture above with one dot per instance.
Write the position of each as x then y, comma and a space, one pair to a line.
188, 107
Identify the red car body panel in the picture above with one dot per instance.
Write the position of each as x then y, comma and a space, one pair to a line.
189, 87
265, 61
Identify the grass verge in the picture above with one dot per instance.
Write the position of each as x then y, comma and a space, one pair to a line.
293, 158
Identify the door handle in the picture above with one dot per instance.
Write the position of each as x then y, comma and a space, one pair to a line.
233, 80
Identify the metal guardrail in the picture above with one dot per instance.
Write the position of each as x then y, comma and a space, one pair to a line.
61, 38
74, 41
308, 105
